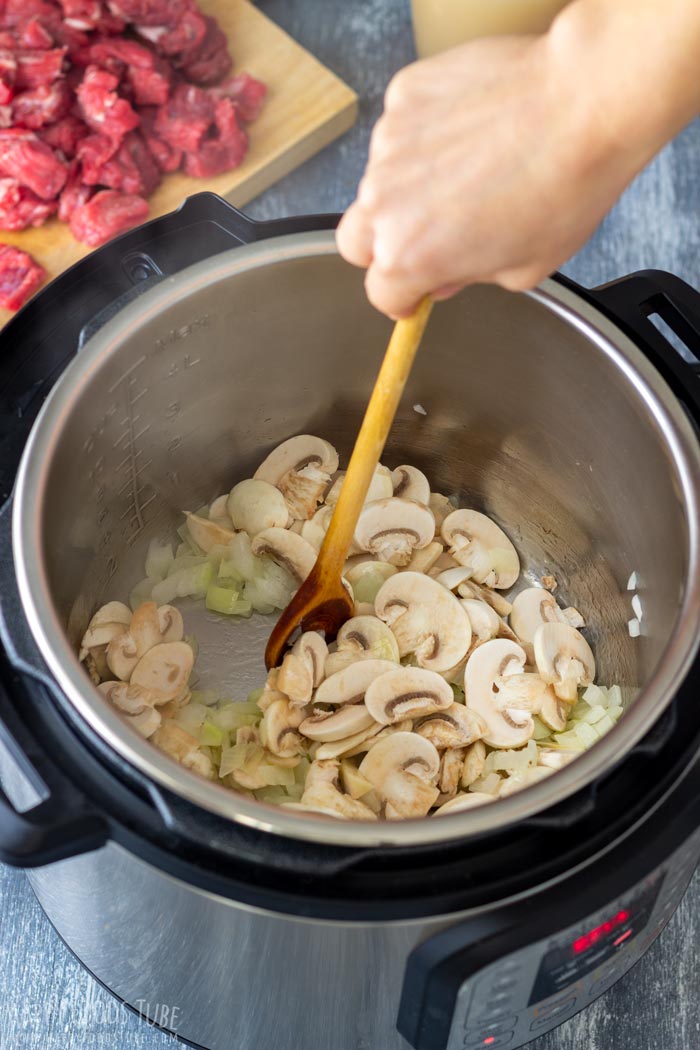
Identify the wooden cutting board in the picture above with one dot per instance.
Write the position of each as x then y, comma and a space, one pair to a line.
306, 108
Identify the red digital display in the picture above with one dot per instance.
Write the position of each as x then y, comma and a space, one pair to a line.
582, 944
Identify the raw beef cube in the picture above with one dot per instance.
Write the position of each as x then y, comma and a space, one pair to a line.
26, 158
5, 116
167, 157
44, 105
8, 74
74, 195
222, 152
82, 14
105, 215
20, 276
185, 119
121, 53
33, 34
210, 62
102, 108
93, 152
150, 12
20, 208
183, 36
148, 75
132, 169
64, 135
150, 87
245, 91
36, 68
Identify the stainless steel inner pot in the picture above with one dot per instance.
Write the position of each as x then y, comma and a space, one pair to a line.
533, 408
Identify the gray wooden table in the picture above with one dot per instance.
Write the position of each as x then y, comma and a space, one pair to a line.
47, 1002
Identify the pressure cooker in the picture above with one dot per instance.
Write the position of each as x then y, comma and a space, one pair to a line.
157, 372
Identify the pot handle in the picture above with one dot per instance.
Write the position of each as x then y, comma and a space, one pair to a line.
634, 303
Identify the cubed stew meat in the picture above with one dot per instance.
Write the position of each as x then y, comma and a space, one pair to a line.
99, 98
20, 276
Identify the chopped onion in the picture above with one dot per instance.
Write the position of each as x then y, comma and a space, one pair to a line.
208, 697
212, 735
614, 696
141, 593
234, 716
185, 583
158, 559
221, 600
595, 696
190, 717
489, 784
586, 734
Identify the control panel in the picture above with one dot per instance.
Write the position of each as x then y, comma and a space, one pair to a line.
520, 997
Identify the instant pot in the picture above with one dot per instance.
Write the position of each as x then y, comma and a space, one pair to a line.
149, 378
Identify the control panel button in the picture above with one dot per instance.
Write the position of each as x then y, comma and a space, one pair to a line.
492, 1026
491, 1042
552, 1013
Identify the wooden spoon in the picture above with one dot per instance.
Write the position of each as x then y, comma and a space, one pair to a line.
322, 603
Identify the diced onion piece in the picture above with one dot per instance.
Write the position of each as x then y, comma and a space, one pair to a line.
542, 732
190, 717
158, 559
185, 583
634, 627
141, 593
569, 741
221, 599
208, 697
614, 696
488, 784
586, 734
595, 696
212, 735
615, 713
234, 716
605, 725
593, 715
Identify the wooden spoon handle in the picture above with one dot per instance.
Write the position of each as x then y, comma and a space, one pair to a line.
374, 431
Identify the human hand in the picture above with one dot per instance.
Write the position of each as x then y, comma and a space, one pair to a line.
497, 160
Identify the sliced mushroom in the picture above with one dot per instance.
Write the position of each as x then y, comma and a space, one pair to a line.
485, 621
312, 532
206, 533
146, 723
411, 483
281, 721
170, 624
183, 747
441, 507
311, 647
564, 659
303, 668
270, 691
342, 658
165, 668
426, 619
338, 748
336, 725
380, 487
470, 589
126, 649
350, 685
456, 726
375, 734
474, 763
465, 800
368, 635
218, 512
301, 468
108, 622
423, 560
487, 667
444, 562
479, 543
407, 692
451, 764
254, 505
532, 607
393, 528
131, 699
322, 791
553, 711
402, 769
525, 691
288, 550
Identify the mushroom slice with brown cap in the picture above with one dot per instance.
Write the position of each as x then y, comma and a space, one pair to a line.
281, 722
301, 468
254, 505
411, 483
456, 726
206, 533
350, 685
531, 608
407, 692
393, 528
474, 763
485, 621
479, 543
131, 699
327, 726
402, 769
553, 711
108, 622
374, 735
470, 589
465, 800
218, 511
368, 635
487, 668
303, 667
426, 619
126, 649
165, 668
322, 791
564, 659
288, 550
145, 723
170, 624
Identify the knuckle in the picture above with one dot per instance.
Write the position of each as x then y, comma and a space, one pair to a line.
399, 91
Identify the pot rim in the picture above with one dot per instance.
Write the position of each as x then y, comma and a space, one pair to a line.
48, 632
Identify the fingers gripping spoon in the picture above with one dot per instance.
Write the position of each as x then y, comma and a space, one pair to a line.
323, 603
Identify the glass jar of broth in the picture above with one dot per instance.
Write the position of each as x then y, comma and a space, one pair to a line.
441, 24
